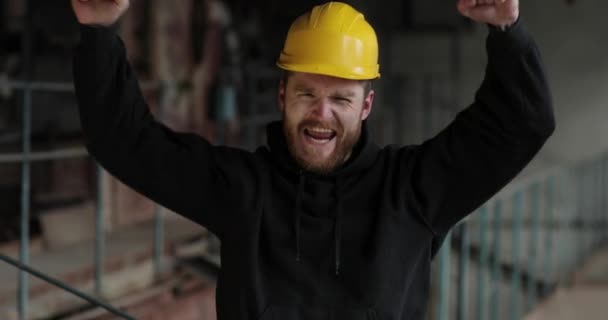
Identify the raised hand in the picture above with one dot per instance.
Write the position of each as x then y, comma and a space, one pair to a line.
99, 12
499, 13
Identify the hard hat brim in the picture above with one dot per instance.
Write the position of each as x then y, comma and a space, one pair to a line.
332, 70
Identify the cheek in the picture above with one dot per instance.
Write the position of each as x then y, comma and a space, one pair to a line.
295, 112
349, 121
291, 117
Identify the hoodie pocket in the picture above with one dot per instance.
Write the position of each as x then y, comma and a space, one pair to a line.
280, 312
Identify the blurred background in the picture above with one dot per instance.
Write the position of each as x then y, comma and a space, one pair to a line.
537, 250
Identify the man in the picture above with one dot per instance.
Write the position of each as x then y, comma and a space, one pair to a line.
322, 224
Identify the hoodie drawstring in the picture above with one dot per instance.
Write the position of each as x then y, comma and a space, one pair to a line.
298, 214
338, 228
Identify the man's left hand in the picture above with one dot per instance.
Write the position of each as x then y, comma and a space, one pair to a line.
499, 13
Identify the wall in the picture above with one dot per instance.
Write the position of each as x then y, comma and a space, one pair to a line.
572, 41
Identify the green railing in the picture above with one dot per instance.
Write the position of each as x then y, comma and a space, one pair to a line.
507, 252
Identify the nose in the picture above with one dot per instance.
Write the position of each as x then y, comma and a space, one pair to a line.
322, 109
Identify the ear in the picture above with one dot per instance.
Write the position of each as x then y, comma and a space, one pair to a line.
367, 105
281, 95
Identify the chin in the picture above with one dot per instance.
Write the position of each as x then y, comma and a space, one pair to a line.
314, 164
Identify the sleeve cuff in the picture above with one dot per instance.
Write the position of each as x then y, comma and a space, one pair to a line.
514, 39
506, 29
97, 38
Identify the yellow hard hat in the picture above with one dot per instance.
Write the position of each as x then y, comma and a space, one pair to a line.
332, 39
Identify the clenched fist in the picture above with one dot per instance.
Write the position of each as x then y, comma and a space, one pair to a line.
99, 12
499, 13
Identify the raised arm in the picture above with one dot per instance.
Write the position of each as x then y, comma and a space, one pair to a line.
491, 141
182, 172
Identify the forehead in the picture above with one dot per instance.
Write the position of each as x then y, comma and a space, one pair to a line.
317, 82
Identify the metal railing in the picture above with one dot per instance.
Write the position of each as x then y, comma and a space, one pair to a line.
65, 287
25, 158
507, 255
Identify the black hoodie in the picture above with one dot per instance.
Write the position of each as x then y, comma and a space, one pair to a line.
355, 244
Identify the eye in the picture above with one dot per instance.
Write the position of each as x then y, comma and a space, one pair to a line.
341, 100
305, 95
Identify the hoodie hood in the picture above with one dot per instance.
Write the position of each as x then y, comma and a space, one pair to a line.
313, 196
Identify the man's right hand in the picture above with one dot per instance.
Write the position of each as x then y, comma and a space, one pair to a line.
99, 12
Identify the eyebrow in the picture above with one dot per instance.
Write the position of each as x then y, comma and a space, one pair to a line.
302, 87
345, 93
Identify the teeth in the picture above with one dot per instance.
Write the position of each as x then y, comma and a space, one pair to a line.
320, 130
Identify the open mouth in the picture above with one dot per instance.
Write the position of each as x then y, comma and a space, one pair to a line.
319, 135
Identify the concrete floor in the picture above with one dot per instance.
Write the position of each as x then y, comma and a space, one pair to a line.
586, 298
